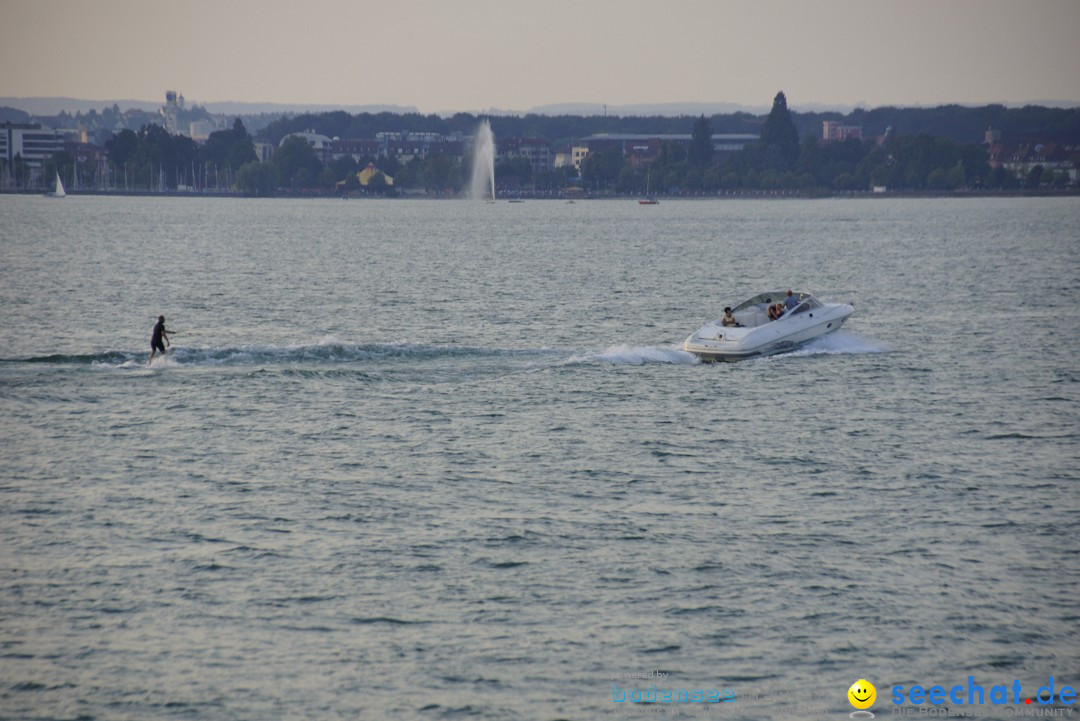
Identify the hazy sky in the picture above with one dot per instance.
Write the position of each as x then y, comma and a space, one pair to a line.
447, 55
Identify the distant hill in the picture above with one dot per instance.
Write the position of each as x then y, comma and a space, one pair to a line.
648, 109
54, 106
718, 108
13, 115
230, 107
51, 106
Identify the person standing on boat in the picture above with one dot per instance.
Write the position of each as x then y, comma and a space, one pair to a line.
791, 301
156, 339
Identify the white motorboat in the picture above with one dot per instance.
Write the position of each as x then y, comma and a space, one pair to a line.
756, 334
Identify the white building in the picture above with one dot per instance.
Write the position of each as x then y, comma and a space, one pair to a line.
29, 141
536, 150
834, 131
170, 111
200, 130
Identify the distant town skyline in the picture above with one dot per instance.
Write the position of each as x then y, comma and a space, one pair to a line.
479, 55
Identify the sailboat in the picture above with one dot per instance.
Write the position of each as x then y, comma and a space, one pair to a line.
648, 199
59, 192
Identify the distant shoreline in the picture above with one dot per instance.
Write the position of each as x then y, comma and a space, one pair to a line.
133, 193
728, 195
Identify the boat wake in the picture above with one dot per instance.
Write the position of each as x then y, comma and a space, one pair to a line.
322, 353
334, 353
635, 355
838, 343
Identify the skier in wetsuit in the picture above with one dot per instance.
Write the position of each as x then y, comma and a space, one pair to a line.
156, 339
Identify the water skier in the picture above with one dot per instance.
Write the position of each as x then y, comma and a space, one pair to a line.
156, 339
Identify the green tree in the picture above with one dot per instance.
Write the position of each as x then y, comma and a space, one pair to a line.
1034, 177
122, 147
296, 163
258, 179
938, 179
701, 145
231, 148
811, 157
915, 157
337, 170
156, 159
379, 184
628, 181
975, 164
409, 175
1001, 178
844, 181
881, 176
779, 130
439, 173
390, 165
241, 153
601, 169
519, 168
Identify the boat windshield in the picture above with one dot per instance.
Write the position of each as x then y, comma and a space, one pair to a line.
777, 296
809, 303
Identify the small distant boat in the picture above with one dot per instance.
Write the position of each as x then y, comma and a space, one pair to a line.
648, 199
59, 192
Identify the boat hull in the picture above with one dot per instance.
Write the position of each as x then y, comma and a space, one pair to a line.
714, 343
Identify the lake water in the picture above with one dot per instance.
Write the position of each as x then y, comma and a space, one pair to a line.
439, 460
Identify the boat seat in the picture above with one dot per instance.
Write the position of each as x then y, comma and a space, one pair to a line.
753, 317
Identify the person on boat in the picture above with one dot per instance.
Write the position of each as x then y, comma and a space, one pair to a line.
729, 320
791, 301
156, 339
775, 311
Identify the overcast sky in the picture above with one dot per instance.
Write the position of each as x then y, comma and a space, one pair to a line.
474, 55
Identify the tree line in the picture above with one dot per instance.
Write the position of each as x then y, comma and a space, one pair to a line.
915, 149
935, 149
151, 159
961, 124
783, 161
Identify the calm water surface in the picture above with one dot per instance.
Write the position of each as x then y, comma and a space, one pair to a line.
432, 460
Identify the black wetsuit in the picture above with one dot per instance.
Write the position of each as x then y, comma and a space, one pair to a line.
155, 340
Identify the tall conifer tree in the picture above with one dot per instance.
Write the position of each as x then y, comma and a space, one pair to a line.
701, 147
780, 130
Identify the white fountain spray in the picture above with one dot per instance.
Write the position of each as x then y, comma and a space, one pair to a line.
483, 163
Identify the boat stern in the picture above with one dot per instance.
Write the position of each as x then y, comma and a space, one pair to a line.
714, 342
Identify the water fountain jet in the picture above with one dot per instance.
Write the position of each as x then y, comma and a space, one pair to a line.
483, 163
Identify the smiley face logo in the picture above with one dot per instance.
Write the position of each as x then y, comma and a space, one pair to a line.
862, 694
